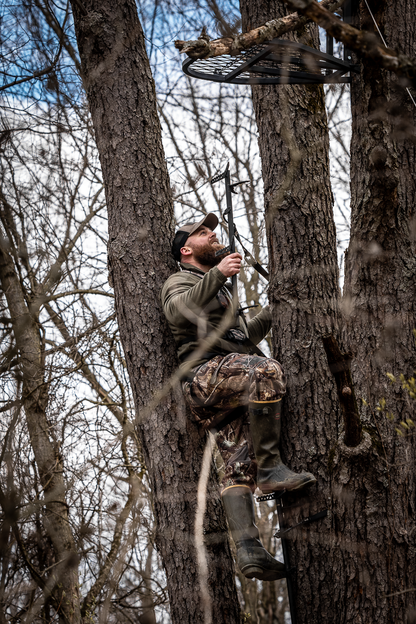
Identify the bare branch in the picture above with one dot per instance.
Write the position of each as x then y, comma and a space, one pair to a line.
365, 44
34, 76
90, 598
204, 48
46, 70
53, 22
80, 291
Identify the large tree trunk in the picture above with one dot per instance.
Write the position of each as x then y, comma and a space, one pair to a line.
122, 102
304, 296
380, 306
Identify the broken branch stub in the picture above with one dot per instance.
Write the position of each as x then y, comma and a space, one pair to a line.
339, 365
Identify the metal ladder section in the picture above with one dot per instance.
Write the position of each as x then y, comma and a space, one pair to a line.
281, 534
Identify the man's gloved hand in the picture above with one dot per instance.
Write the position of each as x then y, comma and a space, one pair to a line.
230, 265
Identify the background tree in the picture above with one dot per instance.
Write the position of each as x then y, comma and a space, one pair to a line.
380, 303
69, 451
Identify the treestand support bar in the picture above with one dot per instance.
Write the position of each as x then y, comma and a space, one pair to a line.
281, 534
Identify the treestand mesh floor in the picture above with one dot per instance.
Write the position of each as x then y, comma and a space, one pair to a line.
273, 62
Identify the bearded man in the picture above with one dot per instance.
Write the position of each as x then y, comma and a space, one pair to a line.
232, 390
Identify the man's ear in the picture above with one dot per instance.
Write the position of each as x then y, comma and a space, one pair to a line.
186, 251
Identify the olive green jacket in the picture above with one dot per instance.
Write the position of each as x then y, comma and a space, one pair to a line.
191, 303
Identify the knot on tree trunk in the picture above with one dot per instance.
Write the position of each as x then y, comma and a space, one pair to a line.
349, 452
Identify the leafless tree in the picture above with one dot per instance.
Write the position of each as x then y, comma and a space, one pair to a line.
76, 504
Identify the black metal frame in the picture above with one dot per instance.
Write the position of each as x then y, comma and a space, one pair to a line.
282, 535
348, 12
275, 62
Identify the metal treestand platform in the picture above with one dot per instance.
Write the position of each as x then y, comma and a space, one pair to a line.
274, 62
279, 62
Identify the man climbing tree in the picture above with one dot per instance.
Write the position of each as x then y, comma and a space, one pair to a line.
379, 312
232, 375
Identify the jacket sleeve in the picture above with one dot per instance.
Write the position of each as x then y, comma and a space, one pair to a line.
259, 326
183, 299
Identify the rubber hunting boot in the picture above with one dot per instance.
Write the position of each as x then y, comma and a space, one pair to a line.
252, 558
272, 474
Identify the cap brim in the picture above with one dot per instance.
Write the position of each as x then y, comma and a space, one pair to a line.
210, 220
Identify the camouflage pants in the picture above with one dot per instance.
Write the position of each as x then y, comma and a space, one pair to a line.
219, 387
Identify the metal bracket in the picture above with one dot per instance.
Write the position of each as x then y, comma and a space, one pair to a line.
232, 186
318, 516
272, 496
222, 251
220, 176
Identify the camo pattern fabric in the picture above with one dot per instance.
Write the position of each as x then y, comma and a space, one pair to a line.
237, 453
219, 387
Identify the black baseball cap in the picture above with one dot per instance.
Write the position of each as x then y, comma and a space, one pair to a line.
181, 236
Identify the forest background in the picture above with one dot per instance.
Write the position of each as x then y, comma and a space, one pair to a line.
97, 508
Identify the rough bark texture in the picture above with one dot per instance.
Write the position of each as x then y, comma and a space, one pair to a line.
380, 307
122, 102
304, 295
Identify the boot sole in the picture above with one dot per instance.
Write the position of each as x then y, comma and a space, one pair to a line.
281, 486
262, 575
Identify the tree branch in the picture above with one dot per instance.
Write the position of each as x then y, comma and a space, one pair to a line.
90, 598
76, 357
78, 291
365, 44
34, 76
42, 72
204, 48
339, 365
53, 23
53, 274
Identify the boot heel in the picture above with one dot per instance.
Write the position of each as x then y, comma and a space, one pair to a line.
253, 572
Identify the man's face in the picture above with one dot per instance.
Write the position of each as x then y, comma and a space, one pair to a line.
204, 243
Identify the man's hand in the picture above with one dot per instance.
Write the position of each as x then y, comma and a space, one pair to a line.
230, 265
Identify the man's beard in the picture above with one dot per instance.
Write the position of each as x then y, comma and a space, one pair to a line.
206, 254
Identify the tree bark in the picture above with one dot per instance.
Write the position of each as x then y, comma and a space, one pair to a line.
339, 365
380, 309
304, 291
122, 101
